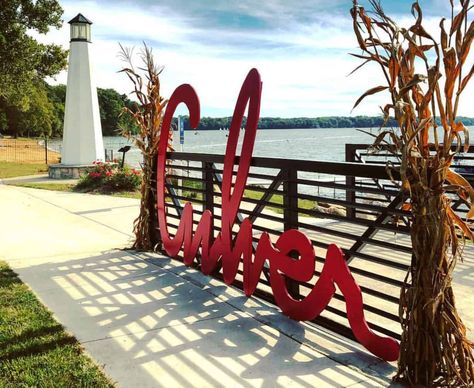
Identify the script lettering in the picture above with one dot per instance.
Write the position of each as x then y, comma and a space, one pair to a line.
230, 252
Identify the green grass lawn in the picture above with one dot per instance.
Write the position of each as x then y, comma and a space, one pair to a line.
276, 199
127, 194
13, 169
46, 186
35, 351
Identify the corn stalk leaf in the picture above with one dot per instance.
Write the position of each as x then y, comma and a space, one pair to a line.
369, 92
460, 222
458, 180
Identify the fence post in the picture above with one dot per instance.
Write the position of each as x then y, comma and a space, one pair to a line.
155, 235
46, 148
290, 219
208, 178
290, 199
350, 183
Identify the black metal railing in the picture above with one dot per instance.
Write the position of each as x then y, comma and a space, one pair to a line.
28, 150
362, 153
312, 196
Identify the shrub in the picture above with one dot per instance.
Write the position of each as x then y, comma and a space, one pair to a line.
109, 178
125, 179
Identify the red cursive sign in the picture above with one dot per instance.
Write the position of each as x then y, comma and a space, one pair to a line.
229, 252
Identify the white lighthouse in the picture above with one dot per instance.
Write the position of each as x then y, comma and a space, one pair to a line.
82, 137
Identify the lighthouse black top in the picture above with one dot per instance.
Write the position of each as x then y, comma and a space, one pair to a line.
80, 18
80, 29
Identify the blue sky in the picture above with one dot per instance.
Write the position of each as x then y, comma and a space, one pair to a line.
300, 48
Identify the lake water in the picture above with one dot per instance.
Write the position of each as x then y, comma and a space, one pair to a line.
307, 144
325, 144
304, 144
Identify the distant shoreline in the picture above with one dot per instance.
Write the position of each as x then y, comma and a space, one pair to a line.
216, 123
275, 129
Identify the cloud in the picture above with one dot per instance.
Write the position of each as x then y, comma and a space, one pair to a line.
300, 50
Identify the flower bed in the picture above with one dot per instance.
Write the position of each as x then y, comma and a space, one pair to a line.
107, 177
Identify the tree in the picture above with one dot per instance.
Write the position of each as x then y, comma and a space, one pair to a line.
38, 119
3, 121
23, 60
111, 105
57, 96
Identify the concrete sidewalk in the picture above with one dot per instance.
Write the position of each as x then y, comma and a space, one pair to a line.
149, 320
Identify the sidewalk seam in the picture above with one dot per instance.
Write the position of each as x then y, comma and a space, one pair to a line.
151, 330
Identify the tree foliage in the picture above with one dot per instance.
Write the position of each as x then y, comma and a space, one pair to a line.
45, 113
23, 60
57, 96
25, 63
39, 115
213, 123
111, 105
37, 119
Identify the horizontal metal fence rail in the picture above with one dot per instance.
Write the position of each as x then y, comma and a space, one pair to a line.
360, 153
323, 200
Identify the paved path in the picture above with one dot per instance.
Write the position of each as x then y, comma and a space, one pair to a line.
149, 320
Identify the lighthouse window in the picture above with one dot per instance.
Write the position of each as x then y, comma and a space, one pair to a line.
74, 31
82, 33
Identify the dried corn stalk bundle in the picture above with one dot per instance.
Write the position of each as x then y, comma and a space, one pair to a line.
148, 117
425, 80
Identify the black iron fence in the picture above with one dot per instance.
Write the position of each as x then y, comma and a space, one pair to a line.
41, 150
326, 201
362, 154
28, 150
